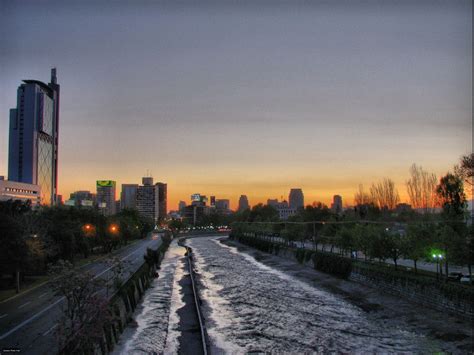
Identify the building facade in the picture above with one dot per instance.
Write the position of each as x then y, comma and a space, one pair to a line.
83, 198
223, 206
336, 205
13, 190
296, 199
148, 199
33, 137
128, 196
162, 200
243, 203
106, 196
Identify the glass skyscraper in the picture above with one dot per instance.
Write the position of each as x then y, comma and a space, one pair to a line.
33, 140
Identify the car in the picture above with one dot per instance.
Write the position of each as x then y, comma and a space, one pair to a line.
455, 276
466, 279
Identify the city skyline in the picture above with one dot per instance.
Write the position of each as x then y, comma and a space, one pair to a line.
305, 103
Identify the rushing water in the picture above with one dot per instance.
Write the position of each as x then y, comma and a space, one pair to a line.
250, 307
156, 319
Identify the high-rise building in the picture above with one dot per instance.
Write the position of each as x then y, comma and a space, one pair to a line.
162, 200
336, 205
213, 201
243, 203
106, 196
128, 196
296, 199
148, 199
181, 206
33, 137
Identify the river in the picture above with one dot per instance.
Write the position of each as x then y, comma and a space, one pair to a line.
251, 307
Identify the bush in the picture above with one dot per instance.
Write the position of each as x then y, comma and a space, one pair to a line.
332, 264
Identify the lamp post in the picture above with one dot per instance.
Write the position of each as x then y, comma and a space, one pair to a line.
438, 258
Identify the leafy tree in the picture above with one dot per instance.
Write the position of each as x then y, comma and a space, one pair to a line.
14, 250
465, 169
415, 243
450, 191
263, 213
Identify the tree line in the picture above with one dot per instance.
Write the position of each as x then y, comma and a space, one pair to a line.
372, 227
33, 238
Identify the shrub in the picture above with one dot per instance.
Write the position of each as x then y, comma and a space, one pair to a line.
332, 264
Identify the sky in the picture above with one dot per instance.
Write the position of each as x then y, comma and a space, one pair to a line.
238, 97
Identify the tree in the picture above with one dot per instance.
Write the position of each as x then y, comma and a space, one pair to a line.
86, 311
14, 250
384, 194
416, 241
361, 197
421, 188
465, 170
450, 192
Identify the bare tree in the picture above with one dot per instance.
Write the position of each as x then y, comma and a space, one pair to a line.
384, 194
421, 188
361, 197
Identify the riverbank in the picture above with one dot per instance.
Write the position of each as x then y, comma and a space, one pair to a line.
452, 334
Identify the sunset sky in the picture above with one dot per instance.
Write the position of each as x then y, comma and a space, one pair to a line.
246, 99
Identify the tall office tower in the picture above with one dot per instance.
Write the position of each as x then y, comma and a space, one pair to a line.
296, 198
33, 137
148, 199
106, 196
243, 203
181, 206
128, 196
163, 200
213, 201
336, 205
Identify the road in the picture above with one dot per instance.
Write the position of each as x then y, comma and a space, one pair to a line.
28, 322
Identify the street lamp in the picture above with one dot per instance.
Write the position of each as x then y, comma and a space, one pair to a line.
438, 258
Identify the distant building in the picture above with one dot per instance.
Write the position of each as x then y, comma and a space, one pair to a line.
198, 200
296, 199
285, 212
193, 214
13, 190
223, 206
148, 199
181, 206
106, 196
243, 203
82, 198
277, 204
336, 205
33, 137
128, 196
213, 201
162, 200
